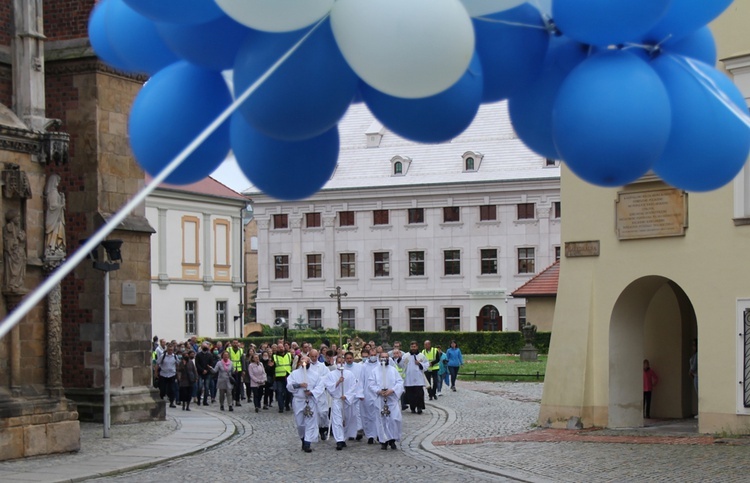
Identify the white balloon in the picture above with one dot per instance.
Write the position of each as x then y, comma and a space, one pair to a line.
405, 48
477, 8
276, 15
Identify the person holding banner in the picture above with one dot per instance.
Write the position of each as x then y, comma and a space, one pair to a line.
387, 386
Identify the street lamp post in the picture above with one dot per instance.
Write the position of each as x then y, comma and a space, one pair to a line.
108, 263
338, 296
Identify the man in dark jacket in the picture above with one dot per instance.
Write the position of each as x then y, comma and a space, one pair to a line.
203, 361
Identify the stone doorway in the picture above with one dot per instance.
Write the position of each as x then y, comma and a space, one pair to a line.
652, 319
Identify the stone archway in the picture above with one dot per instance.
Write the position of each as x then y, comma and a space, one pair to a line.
652, 319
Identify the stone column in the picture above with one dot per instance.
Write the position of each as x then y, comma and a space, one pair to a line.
12, 300
28, 51
54, 343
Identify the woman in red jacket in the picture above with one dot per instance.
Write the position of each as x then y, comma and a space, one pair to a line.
650, 379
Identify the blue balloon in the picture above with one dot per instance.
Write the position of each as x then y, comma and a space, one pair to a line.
171, 110
607, 22
213, 44
286, 170
177, 11
686, 16
433, 119
309, 92
100, 41
611, 119
511, 46
135, 40
709, 143
531, 108
699, 45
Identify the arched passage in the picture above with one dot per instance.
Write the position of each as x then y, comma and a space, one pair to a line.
652, 319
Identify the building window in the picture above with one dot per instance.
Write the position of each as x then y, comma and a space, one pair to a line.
557, 253
489, 261
556, 209
488, 213
416, 215
347, 318
397, 167
281, 314
416, 320
191, 317
451, 214
382, 264
521, 316
312, 220
315, 319
190, 248
380, 217
452, 319
382, 318
452, 262
525, 260
525, 211
280, 222
221, 317
315, 266
469, 164
416, 264
281, 266
346, 218
347, 265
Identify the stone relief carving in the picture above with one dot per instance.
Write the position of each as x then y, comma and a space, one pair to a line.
14, 252
54, 220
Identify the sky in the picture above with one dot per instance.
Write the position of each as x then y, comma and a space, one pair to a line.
230, 174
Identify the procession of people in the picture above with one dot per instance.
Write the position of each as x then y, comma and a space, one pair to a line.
347, 393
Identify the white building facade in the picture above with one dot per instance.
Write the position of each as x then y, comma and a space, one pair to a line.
421, 237
196, 262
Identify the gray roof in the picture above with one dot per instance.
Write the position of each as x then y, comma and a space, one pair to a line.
505, 157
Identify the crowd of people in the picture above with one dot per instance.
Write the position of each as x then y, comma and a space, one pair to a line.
330, 393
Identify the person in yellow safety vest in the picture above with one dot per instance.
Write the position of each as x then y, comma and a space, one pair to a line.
433, 358
396, 357
235, 355
282, 368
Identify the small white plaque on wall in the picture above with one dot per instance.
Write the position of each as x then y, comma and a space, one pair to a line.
128, 293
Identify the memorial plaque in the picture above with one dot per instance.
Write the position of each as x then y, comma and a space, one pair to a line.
582, 249
651, 214
128, 293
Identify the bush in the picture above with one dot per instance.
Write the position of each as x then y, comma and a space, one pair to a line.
468, 342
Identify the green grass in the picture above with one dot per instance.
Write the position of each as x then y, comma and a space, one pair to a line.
506, 367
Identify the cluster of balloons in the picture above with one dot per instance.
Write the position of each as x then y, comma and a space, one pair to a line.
613, 88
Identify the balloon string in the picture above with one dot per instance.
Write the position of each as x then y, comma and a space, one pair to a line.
513, 24
689, 65
28, 302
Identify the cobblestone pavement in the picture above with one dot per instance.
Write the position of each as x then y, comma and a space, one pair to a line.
482, 432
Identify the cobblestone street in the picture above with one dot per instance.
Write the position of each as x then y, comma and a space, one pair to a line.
482, 432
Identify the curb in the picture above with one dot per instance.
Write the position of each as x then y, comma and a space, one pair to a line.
450, 419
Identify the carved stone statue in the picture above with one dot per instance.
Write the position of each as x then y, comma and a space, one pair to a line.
54, 219
14, 252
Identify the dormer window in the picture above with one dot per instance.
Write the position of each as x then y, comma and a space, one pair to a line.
472, 160
400, 165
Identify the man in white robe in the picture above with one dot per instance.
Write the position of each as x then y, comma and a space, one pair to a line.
367, 407
343, 387
306, 387
387, 386
323, 401
356, 369
414, 365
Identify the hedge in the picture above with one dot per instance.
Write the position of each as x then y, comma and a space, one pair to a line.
468, 342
